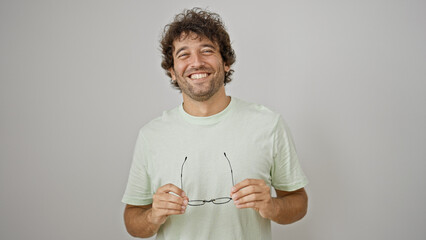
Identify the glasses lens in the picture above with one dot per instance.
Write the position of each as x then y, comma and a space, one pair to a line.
196, 202
221, 200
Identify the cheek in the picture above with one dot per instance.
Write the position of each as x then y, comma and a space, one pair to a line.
180, 69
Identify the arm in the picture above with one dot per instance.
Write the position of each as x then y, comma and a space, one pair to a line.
286, 208
144, 221
290, 206
138, 224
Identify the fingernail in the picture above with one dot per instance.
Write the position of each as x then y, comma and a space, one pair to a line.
183, 194
185, 202
233, 189
183, 207
233, 196
236, 202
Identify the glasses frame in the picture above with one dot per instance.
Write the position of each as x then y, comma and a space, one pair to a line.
220, 200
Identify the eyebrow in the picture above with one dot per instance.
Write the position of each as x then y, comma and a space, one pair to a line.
203, 45
180, 50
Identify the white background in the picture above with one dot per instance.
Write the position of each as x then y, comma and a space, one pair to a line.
79, 78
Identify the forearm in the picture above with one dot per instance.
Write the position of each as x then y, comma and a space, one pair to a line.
138, 222
289, 208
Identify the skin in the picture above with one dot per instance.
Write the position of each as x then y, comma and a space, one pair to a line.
205, 97
144, 221
286, 208
192, 55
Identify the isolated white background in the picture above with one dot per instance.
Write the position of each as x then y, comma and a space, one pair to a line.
79, 78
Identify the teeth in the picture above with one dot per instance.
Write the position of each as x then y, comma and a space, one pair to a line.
198, 76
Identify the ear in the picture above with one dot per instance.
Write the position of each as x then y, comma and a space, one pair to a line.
227, 68
172, 72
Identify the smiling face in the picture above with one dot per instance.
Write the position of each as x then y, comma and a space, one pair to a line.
198, 67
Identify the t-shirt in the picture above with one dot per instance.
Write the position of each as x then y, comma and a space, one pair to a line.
206, 156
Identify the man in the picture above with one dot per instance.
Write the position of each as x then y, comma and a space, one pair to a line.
204, 170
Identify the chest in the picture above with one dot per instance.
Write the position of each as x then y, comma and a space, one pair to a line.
210, 161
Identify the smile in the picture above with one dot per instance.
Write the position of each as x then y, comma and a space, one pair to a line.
198, 75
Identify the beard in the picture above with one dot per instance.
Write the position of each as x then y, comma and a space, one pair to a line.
202, 92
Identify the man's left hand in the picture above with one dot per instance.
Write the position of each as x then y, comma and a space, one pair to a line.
256, 194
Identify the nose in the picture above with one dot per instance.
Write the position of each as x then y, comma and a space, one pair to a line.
197, 61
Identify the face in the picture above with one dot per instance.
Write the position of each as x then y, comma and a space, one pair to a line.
198, 67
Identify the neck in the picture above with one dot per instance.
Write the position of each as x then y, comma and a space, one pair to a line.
213, 105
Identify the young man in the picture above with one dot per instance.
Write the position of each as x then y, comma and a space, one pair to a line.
204, 170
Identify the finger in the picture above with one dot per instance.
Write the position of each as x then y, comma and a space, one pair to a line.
254, 205
169, 198
251, 189
168, 188
255, 197
245, 183
168, 212
164, 208
169, 206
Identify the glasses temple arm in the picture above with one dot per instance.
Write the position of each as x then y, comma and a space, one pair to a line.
232, 173
181, 173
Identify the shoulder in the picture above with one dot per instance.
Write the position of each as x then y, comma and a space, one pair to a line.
256, 112
163, 123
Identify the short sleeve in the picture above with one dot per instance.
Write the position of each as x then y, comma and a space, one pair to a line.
138, 190
286, 172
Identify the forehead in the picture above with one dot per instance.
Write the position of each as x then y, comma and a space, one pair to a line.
191, 38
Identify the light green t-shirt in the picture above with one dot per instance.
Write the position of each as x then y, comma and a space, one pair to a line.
257, 144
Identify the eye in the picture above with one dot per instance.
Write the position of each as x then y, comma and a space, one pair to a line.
182, 55
207, 51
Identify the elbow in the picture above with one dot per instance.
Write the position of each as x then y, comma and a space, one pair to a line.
136, 228
297, 208
303, 213
137, 235
132, 231
137, 232
297, 217
303, 210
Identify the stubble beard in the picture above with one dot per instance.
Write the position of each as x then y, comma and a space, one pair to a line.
202, 95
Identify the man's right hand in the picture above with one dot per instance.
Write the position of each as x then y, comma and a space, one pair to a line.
165, 203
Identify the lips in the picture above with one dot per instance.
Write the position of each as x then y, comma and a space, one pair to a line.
198, 75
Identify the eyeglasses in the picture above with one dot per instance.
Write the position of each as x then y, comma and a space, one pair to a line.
220, 200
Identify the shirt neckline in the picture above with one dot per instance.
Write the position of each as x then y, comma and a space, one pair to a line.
213, 119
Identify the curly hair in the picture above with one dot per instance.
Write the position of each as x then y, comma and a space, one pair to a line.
204, 24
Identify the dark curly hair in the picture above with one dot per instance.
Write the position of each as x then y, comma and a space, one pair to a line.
204, 24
